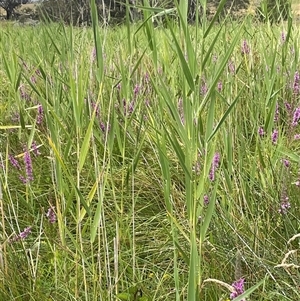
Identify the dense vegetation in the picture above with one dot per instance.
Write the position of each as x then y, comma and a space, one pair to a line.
150, 163
111, 11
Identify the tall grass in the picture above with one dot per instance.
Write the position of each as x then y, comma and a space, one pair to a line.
149, 163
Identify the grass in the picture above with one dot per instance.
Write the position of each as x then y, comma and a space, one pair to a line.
108, 150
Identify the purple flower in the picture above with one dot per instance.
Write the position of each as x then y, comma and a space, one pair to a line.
297, 136
136, 90
296, 86
220, 86
35, 148
286, 163
38, 72
274, 136
23, 179
197, 168
296, 117
245, 49
206, 200
24, 95
204, 88
231, 67
288, 106
22, 235
25, 233
40, 114
33, 79
261, 132
128, 107
214, 166
104, 127
238, 287
51, 215
28, 166
146, 78
284, 206
96, 108
131, 106
14, 162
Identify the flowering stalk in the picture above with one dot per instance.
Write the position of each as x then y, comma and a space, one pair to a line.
23, 235
51, 215
214, 166
28, 166
238, 288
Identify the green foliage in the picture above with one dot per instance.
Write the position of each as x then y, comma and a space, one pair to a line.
274, 11
123, 128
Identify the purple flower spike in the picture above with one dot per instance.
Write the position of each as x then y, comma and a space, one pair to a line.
33, 79
284, 206
204, 88
296, 86
104, 127
214, 166
14, 162
136, 90
220, 86
286, 163
24, 95
296, 117
51, 215
288, 106
22, 235
231, 67
35, 149
245, 49
25, 233
274, 136
206, 200
238, 287
23, 179
40, 115
28, 166
261, 132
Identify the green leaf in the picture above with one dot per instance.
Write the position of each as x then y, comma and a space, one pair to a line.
86, 142
124, 296
224, 117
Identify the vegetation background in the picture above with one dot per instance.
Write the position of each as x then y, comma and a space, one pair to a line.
150, 161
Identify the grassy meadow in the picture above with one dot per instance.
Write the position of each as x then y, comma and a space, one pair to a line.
150, 163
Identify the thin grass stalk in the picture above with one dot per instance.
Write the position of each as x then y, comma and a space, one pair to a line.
3, 259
